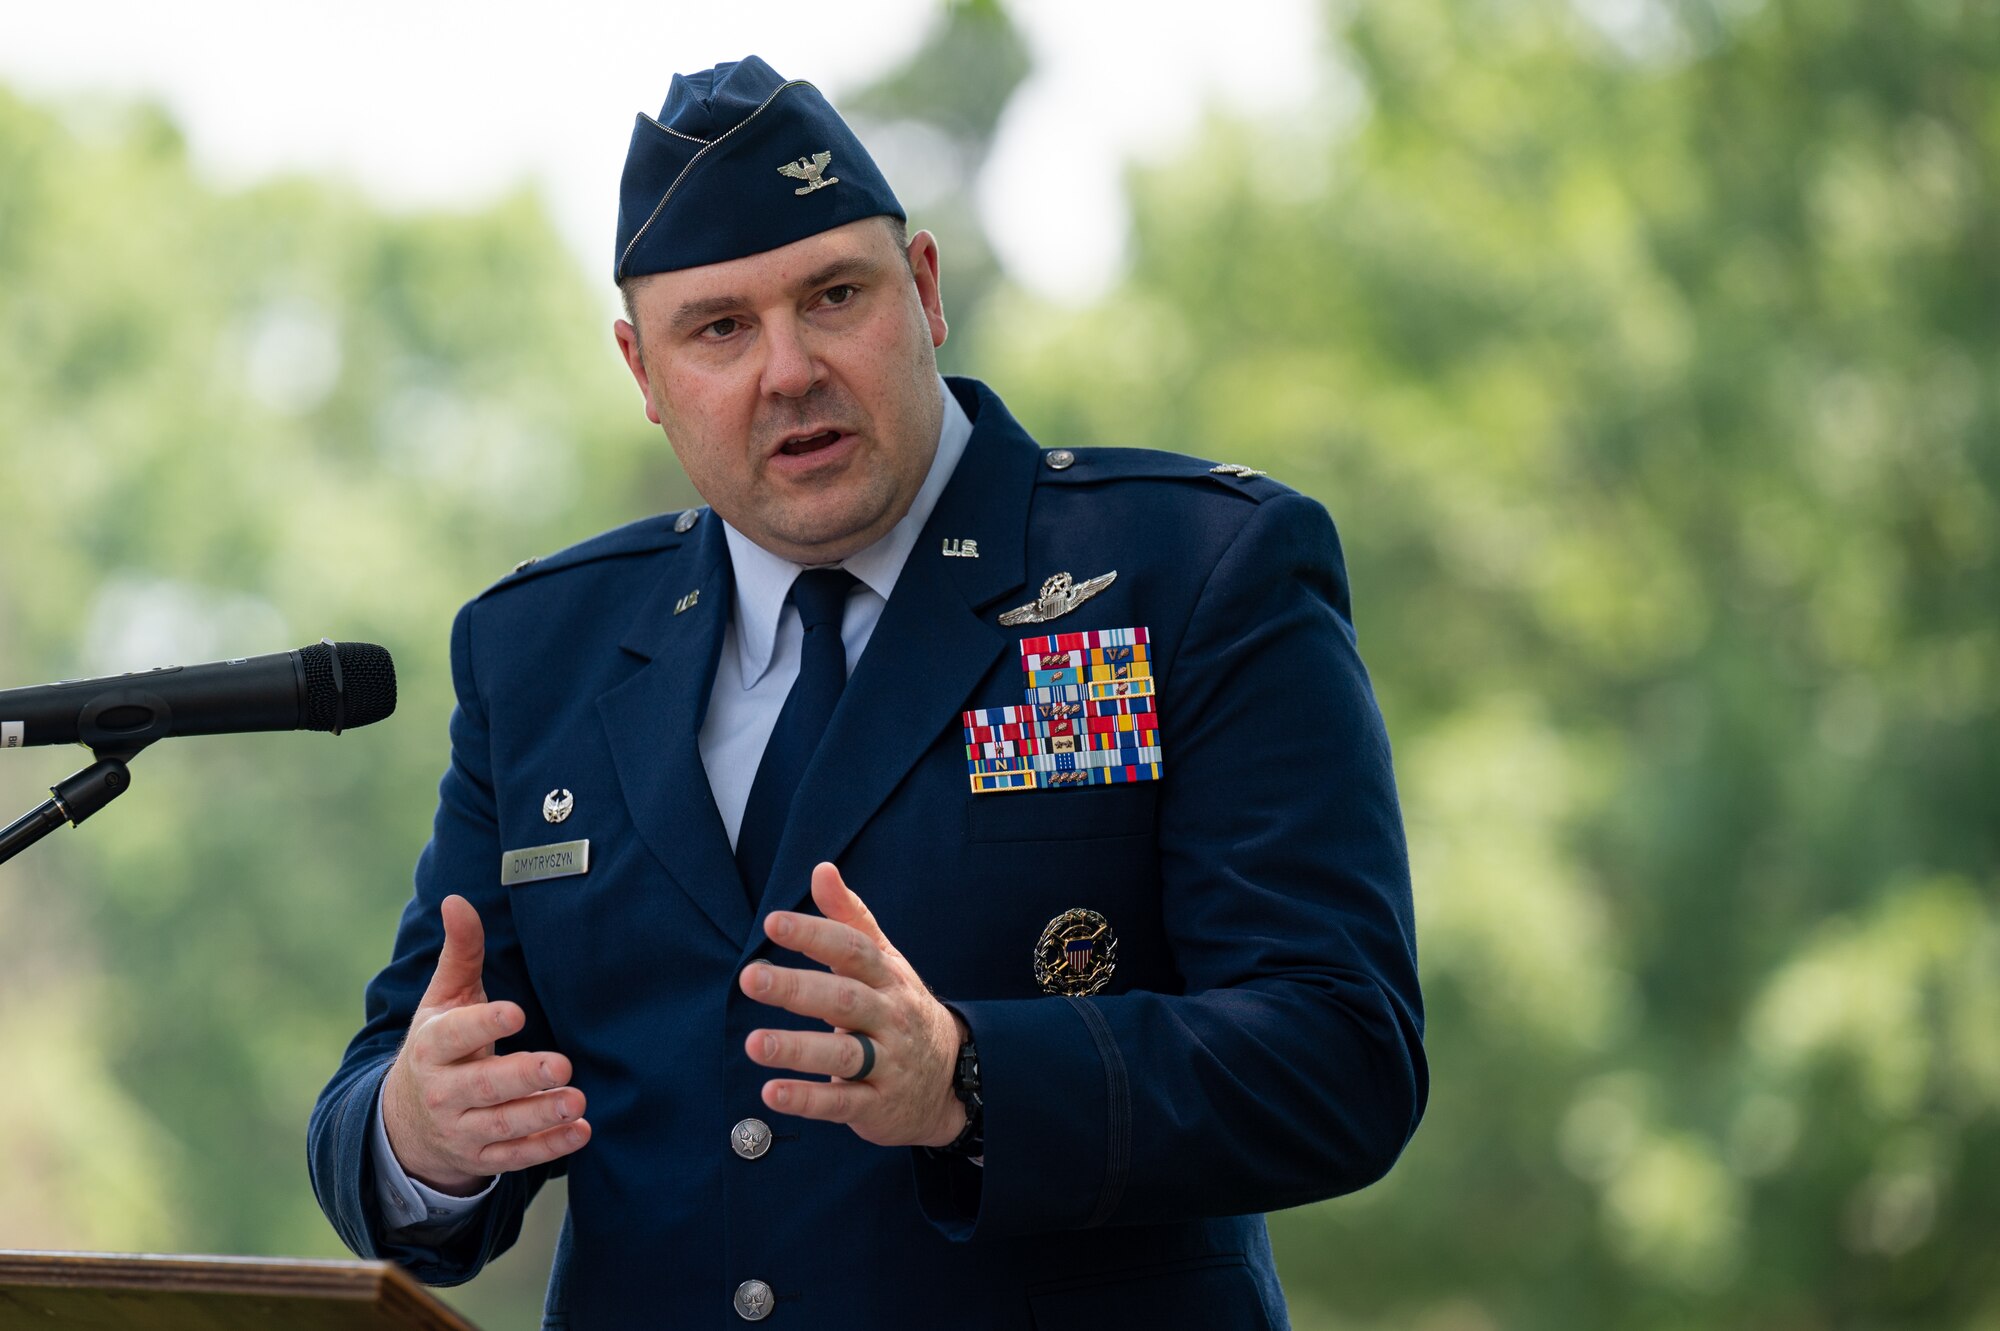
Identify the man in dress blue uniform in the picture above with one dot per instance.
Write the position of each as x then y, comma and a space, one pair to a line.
941, 883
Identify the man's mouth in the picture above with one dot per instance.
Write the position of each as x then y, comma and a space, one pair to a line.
811, 443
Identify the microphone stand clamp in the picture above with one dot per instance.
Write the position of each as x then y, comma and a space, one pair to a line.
72, 800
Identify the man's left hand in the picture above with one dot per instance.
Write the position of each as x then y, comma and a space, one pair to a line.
907, 1099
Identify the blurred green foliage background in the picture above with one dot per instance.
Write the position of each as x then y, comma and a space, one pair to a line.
1645, 351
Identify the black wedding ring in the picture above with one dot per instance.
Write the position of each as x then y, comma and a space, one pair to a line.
867, 1057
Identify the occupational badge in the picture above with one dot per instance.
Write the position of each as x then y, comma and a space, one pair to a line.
1060, 595
1088, 717
557, 804
1076, 955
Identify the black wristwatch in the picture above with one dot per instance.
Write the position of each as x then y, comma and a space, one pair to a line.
971, 1140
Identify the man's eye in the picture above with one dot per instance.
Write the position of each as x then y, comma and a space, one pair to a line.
839, 295
720, 328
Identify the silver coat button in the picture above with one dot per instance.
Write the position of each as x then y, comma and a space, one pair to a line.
1060, 459
753, 1300
750, 1138
685, 522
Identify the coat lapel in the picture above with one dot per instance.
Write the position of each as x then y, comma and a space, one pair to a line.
927, 654
653, 721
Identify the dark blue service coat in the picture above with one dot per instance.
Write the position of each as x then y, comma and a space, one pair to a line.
1259, 1045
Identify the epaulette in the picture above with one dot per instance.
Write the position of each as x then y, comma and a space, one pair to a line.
1092, 465
662, 531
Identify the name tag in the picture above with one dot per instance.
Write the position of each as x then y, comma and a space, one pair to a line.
561, 860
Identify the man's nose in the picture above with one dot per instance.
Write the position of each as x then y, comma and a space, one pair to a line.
791, 366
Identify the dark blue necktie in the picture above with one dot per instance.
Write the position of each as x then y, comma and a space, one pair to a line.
821, 596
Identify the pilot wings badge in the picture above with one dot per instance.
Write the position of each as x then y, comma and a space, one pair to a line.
1060, 595
808, 169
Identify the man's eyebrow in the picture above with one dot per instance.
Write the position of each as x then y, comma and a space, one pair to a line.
855, 265
695, 313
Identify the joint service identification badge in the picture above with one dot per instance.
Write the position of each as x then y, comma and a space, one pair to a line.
1076, 955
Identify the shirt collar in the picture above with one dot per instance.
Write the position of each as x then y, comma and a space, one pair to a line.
763, 579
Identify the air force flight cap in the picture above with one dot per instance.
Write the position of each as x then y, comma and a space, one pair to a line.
739, 162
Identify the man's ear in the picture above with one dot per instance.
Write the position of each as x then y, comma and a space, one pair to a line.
923, 255
635, 361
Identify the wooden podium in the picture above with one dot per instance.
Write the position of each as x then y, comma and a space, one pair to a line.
80, 1291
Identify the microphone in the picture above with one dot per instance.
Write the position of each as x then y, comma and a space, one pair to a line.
331, 686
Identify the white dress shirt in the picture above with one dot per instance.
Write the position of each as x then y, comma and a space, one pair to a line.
760, 648
759, 663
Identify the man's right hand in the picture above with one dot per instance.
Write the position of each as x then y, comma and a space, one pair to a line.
456, 1113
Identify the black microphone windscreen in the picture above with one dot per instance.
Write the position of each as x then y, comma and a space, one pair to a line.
367, 681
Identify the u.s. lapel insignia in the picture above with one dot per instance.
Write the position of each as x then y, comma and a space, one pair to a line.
556, 805
1076, 954
688, 602
1060, 595
808, 169
957, 548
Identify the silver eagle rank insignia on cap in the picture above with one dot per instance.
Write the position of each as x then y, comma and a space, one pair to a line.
1060, 595
808, 169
